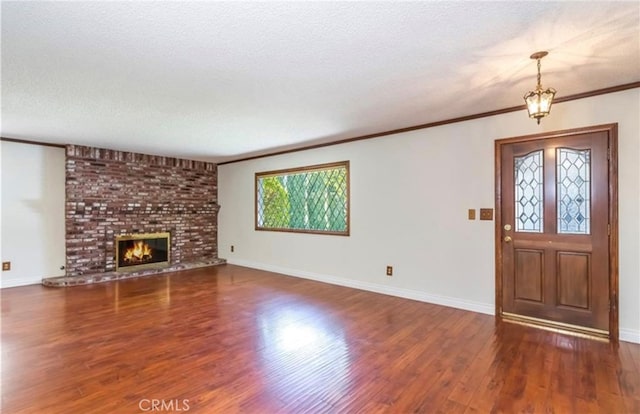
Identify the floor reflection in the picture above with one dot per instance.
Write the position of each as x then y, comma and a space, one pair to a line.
305, 353
126, 293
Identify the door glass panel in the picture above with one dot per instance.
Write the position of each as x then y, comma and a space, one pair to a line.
528, 190
574, 190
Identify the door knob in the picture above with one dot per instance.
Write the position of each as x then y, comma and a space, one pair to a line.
507, 239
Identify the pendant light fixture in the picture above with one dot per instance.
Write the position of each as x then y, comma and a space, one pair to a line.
539, 100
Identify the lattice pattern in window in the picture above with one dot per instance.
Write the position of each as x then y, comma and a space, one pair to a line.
529, 195
574, 190
311, 199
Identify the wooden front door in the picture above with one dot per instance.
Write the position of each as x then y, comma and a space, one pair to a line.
556, 209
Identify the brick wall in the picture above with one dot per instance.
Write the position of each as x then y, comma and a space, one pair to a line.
114, 192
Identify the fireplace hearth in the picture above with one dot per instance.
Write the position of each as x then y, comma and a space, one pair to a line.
142, 251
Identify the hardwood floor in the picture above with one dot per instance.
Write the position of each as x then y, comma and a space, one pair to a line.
229, 339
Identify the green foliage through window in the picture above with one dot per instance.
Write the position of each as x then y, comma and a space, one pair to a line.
311, 199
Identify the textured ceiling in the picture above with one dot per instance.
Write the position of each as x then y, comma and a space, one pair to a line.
221, 80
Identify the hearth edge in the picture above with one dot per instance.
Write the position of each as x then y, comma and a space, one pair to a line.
80, 280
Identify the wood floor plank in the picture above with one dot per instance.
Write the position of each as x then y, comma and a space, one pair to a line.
237, 340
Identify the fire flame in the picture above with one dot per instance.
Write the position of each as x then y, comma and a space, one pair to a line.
140, 251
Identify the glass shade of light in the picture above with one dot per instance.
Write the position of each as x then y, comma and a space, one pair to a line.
539, 102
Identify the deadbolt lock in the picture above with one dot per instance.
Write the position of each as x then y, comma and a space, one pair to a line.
507, 227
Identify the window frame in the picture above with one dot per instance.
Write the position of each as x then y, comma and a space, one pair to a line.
306, 169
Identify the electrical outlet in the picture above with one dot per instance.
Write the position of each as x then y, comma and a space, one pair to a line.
472, 214
486, 214
389, 270
232, 248
6, 266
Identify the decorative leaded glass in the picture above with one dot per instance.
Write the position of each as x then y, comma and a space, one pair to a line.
529, 192
310, 199
574, 190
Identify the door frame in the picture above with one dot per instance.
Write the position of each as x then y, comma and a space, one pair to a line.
612, 131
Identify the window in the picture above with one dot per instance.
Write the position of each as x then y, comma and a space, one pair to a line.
529, 192
574, 190
312, 199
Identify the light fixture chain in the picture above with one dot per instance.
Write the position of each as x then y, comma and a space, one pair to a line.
539, 77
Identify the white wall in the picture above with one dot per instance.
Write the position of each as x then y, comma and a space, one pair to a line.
409, 198
32, 203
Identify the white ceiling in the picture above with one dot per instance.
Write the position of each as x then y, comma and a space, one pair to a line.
222, 80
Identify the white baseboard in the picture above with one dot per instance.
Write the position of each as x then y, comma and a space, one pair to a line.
9, 283
374, 287
627, 335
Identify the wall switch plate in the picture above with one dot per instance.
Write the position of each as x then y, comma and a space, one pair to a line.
6, 266
389, 270
472, 214
232, 248
486, 214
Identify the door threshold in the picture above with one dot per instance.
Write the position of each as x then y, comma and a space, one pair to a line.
559, 327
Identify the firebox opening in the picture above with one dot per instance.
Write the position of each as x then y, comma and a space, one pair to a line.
142, 251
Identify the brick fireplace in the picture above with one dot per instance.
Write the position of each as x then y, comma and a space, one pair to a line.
114, 194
